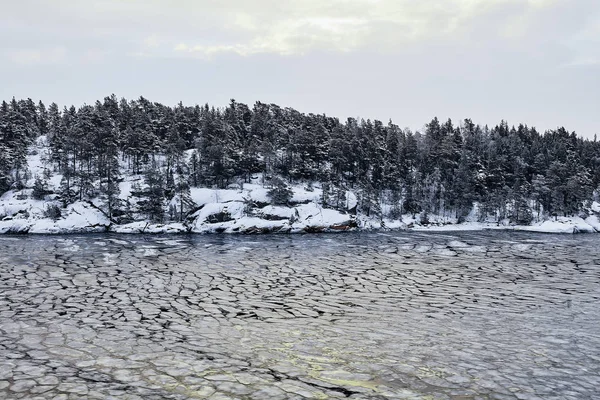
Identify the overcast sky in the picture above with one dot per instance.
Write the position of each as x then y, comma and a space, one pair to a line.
530, 61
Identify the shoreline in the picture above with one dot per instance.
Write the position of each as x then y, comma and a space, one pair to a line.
236, 227
240, 209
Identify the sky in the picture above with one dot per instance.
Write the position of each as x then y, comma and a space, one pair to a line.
525, 61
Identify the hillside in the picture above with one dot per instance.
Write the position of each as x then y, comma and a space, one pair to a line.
242, 208
137, 166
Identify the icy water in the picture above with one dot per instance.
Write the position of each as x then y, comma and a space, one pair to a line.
372, 316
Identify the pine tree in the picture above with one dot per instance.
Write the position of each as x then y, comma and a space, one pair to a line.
183, 193
40, 188
109, 187
194, 168
280, 194
65, 191
444, 170
153, 204
6, 163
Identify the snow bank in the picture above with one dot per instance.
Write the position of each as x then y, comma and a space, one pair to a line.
77, 217
561, 225
233, 215
202, 196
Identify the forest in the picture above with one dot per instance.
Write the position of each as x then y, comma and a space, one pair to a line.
509, 171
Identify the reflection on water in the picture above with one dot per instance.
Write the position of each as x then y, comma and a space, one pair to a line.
491, 315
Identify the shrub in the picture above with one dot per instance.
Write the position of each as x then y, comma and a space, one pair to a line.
280, 194
53, 212
424, 220
39, 189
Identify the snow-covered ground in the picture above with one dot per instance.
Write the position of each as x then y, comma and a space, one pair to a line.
244, 209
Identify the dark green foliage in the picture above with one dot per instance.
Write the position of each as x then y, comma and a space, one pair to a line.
522, 213
222, 216
280, 194
40, 189
424, 218
154, 194
182, 189
513, 172
53, 212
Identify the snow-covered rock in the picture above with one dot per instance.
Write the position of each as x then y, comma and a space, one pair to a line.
561, 225
77, 217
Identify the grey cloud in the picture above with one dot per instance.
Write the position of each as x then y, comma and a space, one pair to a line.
521, 60
268, 26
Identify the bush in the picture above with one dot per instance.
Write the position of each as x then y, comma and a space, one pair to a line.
280, 194
424, 219
39, 189
522, 214
53, 212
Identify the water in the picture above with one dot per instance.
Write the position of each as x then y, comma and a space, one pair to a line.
489, 315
